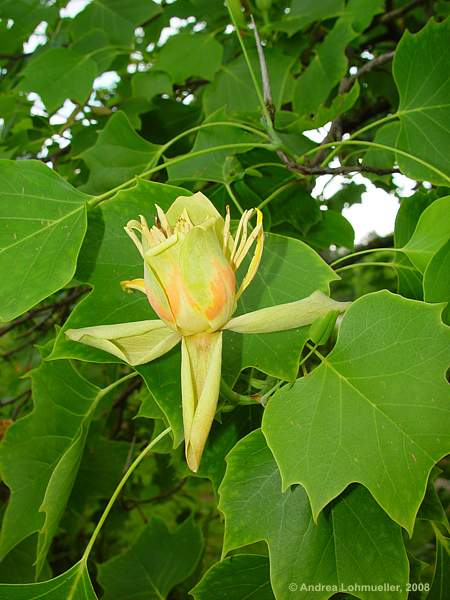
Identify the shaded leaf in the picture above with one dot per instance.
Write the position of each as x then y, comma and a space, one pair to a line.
431, 233
350, 420
59, 74
42, 225
237, 577
332, 229
213, 166
421, 67
202, 56
118, 154
329, 66
441, 579
150, 84
40, 455
117, 18
74, 584
302, 552
305, 12
233, 88
154, 564
436, 279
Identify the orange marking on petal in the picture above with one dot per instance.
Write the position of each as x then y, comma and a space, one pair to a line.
223, 289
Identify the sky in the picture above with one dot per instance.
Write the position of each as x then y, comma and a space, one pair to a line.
375, 214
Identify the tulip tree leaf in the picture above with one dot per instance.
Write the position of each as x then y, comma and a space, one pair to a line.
289, 270
74, 584
108, 257
301, 551
409, 280
150, 84
117, 18
42, 225
156, 562
421, 67
213, 166
441, 579
232, 87
59, 74
436, 279
329, 66
305, 12
202, 57
431, 233
118, 154
41, 454
351, 420
237, 577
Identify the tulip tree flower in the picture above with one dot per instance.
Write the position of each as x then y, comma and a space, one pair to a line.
190, 264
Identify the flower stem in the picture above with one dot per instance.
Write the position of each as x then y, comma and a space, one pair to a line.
118, 489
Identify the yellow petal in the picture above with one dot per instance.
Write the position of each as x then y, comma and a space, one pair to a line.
286, 316
201, 361
136, 343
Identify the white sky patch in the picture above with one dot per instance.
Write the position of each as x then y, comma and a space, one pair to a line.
375, 214
73, 8
108, 79
317, 135
37, 38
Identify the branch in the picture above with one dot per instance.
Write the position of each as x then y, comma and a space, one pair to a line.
346, 83
343, 170
28, 316
398, 12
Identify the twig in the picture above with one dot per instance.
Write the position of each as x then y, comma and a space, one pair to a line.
130, 503
28, 316
398, 12
346, 83
13, 399
342, 170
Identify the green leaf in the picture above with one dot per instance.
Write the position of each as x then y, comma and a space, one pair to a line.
350, 420
441, 579
95, 43
329, 66
436, 279
150, 84
18, 566
332, 229
421, 67
74, 584
295, 206
41, 453
383, 159
59, 74
305, 12
118, 154
238, 577
431, 233
304, 553
107, 258
409, 281
213, 166
289, 270
202, 57
154, 564
233, 88
42, 225
100, 469
118, 19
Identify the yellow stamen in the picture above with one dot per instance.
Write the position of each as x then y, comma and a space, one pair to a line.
256, 259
